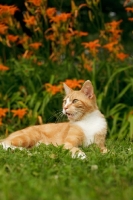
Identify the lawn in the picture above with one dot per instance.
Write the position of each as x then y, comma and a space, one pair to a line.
48, 172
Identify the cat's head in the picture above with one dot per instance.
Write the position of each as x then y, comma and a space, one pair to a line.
77, 104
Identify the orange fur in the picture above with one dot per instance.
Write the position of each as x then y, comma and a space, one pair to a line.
80, 108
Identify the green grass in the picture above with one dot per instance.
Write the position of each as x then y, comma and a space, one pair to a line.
48, 172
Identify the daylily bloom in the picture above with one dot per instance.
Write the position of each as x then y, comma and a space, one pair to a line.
12, 38
88, 66
62, 17
92, 46
3, 112
50, 37
113, 24
27, 54
8, 9
23, 40
122, 56
110, 46
35, 45
74, 83
35, 2
115, 31
19, 112
80, 33
129, 9
53, 89
3, 29
126, 2
3, 68
130, 19
50, 12
31, 21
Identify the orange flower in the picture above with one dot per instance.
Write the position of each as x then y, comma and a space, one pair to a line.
126, 2
36, 45
35, 2
113, 24
103, 34
8, 9
115, 31
110, 46
31, 21
3, 112
74, 83
80, 33
27, 54
64, 42
76, 33
92, 46
50, 37
129, 9
68, 35
88, 67
86, 62
130, 19
3, 68
12, 38
23, 40
53, 89
3, 29
5, 20
20, 112
50, 12
122, 56
63, 17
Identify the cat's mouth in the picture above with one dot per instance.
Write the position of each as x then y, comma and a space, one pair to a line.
69, 115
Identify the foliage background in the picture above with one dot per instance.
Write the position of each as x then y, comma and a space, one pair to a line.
44, 43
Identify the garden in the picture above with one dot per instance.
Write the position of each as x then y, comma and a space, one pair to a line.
43, 44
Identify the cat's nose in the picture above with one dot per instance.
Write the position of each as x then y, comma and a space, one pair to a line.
66, 107
65, 110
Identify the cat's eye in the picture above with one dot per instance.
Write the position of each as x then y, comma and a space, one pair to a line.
64, 101
74, 100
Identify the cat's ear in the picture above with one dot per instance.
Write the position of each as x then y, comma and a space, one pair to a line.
67, 89
87, 89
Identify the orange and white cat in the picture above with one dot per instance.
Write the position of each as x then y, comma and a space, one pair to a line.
86, 125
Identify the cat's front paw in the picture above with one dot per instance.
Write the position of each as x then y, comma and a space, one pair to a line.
80, 155
104, 150
7, 146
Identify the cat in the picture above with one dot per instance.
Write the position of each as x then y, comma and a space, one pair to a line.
86, 125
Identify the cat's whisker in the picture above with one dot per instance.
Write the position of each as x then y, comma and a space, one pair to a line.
54, 115
59, 116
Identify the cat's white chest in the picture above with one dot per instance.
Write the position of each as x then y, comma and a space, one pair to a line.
91, 125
